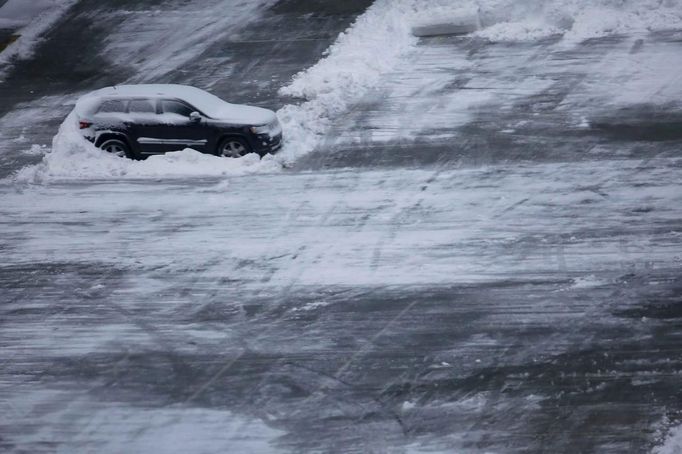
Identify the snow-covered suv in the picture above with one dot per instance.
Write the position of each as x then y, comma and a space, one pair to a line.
138, 121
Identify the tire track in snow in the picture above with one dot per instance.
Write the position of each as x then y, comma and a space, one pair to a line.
309, 260
397, 222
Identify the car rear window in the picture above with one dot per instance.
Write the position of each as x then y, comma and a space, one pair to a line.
176, 107
113, 106
142, 106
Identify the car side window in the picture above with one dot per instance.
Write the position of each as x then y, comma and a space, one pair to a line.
113, 106
142, 106
176, 107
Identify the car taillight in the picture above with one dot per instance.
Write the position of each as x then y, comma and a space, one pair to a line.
85, 124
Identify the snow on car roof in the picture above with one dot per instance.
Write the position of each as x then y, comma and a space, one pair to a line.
210, 104
207, 103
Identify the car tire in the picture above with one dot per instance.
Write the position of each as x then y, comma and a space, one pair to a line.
233, 147
117, 147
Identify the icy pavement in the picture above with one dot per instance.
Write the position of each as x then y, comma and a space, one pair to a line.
404, 223
480, 253
461, 309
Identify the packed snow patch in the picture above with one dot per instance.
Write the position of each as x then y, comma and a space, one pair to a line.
312, 306
36, 150
524, 30
588, 282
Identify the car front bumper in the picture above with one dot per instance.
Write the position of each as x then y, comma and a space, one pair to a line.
267, 144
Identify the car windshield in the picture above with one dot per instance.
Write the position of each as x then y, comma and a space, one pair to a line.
203, 101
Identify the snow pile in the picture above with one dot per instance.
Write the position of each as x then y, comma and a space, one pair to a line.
354, 65
33, 19
574, 20
673, 444
74, 158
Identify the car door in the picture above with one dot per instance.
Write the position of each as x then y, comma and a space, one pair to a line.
112, 115
146, 123
178, 131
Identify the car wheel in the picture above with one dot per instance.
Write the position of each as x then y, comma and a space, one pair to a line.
116, 147
233, 147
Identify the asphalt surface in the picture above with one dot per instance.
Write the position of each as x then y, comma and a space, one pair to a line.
511, 285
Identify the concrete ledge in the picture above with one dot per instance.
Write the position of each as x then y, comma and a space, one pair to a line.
455, 26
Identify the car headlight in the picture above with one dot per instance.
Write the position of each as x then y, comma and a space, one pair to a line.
271, 129
261, 129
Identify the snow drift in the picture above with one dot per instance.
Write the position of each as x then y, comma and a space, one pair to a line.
74, 158
373, 46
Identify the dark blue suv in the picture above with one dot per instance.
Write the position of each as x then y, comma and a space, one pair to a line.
137, 121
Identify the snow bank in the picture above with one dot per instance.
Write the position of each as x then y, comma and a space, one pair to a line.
74, 158
574, 20
32, 20
373, 46
673, 444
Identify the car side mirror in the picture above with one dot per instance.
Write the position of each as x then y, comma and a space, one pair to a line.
195, 117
